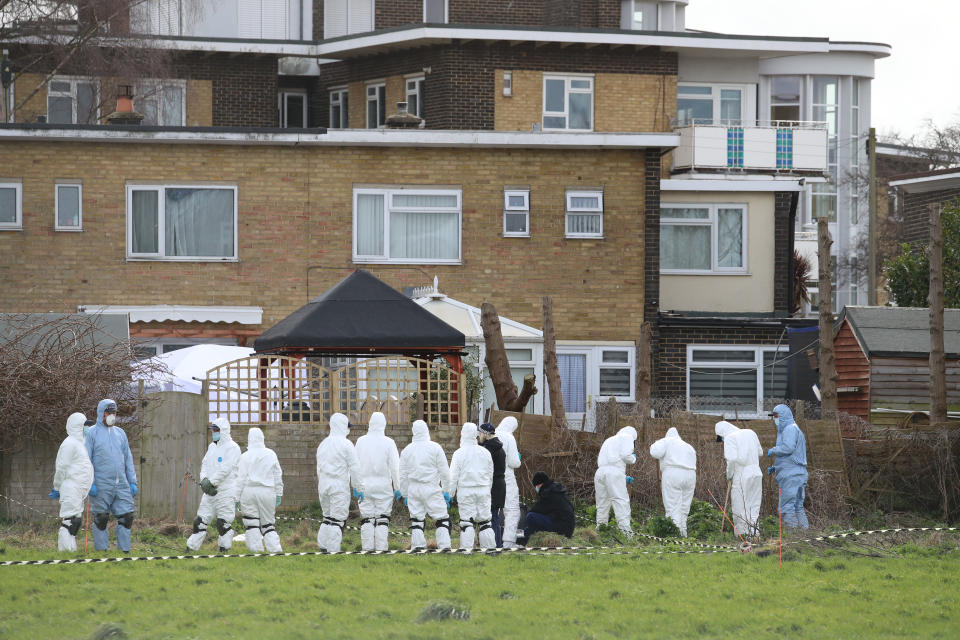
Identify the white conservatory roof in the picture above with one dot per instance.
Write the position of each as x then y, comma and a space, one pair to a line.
466, 319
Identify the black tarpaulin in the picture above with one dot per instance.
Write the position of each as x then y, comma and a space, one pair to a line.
361, 314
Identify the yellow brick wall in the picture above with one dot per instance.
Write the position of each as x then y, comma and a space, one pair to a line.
357, 107
199, 103
622, 102
36, 105
295, 212
396, 92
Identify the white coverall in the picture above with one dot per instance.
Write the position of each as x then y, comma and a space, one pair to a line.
72, 479
337, 470
610, 480
380, 471
424, 476
511, 504
678, 476
219, 466
260, 479
741, 448
471, 479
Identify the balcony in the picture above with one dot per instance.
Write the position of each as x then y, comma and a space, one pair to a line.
772, 146
232, 19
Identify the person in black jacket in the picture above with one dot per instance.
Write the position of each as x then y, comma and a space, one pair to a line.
498, 492
552, 512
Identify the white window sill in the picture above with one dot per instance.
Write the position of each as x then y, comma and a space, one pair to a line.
178, 259
569, 237
380, 261
546, 130
11, 228
515, 235
67, 230
664, 272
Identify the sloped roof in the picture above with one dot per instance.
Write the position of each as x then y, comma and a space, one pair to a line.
901, 331
361, 314
466, 318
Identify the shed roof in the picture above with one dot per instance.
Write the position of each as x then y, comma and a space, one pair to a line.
901, 331
361, 314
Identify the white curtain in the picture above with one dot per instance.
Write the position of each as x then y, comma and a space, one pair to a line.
584, 223
730, 238
369, 224
199, 222
434, 236
573, 381
685, 247
146, 216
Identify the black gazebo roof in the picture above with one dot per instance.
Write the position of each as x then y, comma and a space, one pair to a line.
361, 314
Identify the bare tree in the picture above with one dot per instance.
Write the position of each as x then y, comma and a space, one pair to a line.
938, 366
499, 366
551, 370
828, 363
938, 146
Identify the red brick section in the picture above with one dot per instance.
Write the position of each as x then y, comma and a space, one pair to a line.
853, 370
244, 87
916, 212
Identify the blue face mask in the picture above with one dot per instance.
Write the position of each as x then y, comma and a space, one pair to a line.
216, 436
86, 430
537, 488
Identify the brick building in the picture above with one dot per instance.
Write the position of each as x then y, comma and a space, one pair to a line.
916, 193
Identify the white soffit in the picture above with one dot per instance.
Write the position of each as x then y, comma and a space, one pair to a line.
180, 313
924, 184
740, 184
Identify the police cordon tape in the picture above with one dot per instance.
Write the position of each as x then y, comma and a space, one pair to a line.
854, 534
26, 506
346, 526
676, 541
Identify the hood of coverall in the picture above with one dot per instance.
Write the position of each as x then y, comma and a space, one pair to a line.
784, 417
75, 425
724, 429
378, 424
255, 438
102, 407
224, 426
673, 433
421, 433
468, 434
507, 425
339, 425
628, 432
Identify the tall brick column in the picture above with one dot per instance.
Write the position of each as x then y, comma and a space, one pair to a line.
651, 255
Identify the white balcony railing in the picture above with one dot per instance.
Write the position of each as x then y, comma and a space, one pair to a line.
764, 146
244, 19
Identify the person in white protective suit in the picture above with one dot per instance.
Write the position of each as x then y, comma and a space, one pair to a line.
678, 476
380, 471
71, 482
260, 482
337, 470
424, 477
218, 479
471, 478
611, 479
742, 450
511, 505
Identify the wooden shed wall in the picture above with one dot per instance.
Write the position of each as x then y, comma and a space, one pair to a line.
853, 370
904, 383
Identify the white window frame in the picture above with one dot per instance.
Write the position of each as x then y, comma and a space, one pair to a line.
17, 224
377, 85
72, 94
758, 355
344, 122
594, 362
567, 90
446, 11
388, 193
716, 96
56, 213
417, 91
161, 215
569, 210
154, 88
515, 210
713, 222
157, 344
284, 119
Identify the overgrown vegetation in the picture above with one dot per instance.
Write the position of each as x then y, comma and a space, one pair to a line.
908, 274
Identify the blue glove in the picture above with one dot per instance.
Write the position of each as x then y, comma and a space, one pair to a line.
629, 480
771, 470
279, 500
770, 452
446, 496
93, 490
358, 494
405, 502
133, 489
397, 495
54, 494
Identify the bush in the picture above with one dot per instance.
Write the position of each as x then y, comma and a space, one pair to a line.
769, 527
662, 527
704, 521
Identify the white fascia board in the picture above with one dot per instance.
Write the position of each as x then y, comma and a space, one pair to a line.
876, 49
180, 313
929, 183
432, 35
293, 48
353, 138
758, 183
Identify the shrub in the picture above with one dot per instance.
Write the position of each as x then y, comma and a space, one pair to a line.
704, 521
662, 527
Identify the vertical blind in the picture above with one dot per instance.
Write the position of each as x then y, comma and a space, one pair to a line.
573, 381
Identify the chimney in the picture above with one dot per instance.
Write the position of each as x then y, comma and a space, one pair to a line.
403, 119
125, 115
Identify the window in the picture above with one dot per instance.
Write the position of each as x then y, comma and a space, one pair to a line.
507, 83
11, 204
638, 16
573, 381
162, 102
737, 381
435, 11
343, 17
181, 222
855, 152
339, 109
594, 373
72, 101
376, 105
568, 103
785, 98
69, 207
522, 363
703, 238
516, 213
415, 96
293, 109
706, 104
584, 214
406, 225
824, 108
813, 290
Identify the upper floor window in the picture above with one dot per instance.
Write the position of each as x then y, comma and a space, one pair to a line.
11, 204
376, 105
703, 238
584, 217
181, 222
516, 212
414, 95
343, 17
162, 102
785, 98
69, 206
339, 109
825, 107
709, 104
435, 11
73, 101
638, 15
293, 108
412, 226
568, 102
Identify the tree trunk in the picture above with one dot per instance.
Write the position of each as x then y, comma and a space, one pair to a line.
550, 369
938, 367
828, 363
643, 370
498, 366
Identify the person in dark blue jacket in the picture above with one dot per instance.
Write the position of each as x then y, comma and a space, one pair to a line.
114, 478
553, 510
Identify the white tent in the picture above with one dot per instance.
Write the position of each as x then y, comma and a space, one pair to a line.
185, 365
